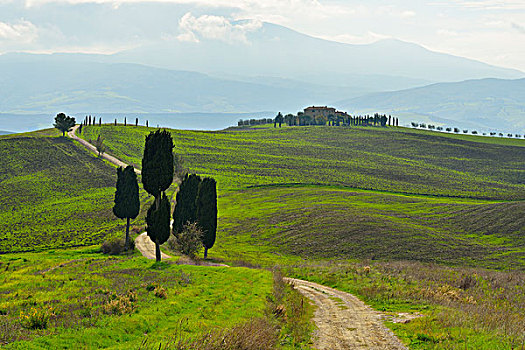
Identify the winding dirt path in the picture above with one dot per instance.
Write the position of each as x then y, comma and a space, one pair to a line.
147, 248
345, 322
93, 149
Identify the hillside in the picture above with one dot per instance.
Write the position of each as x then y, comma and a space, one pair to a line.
53, 194
391, 160
485, 105
294, 192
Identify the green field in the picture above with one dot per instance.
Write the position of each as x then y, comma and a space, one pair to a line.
87, 298
322, 202
322, 192
366, 158
315, 222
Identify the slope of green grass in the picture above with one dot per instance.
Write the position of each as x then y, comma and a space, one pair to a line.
367, 158
335, 222
77, 289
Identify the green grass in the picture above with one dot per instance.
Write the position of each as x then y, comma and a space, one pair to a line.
315, 222
393, 159
78, 284
55, 194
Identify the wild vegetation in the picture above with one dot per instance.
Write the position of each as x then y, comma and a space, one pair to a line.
82, 299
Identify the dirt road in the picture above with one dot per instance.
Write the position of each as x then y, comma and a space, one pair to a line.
93, 149
147, 248
345, 322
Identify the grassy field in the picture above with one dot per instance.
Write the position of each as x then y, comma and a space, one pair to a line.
393, 160
316, 200
322, 216
315, 222
55, 194
88, 300
52, 194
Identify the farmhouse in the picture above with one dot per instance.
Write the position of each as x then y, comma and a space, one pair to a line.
324, 111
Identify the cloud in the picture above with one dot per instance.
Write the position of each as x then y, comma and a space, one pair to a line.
21, 31
194, 29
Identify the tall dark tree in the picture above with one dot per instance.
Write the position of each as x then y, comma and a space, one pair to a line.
136, 121
157, 163
278, 120
206, 204
127, 202
185, 209
64, 123
158, 223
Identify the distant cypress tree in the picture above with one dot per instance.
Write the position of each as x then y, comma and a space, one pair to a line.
158, 223
185, 208
99, 121
136, 121
124, 121
115, 121
206, 205
127, 202
147, 123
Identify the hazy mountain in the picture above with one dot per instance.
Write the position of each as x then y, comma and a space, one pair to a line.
3, 132
48, 83
486, 103
273, 50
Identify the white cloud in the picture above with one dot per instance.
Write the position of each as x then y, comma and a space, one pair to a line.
215, 28
21, 31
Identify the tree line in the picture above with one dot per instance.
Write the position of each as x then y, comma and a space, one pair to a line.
302, 119
465, 131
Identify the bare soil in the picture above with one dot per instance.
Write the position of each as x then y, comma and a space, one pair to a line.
345, 322
147, 248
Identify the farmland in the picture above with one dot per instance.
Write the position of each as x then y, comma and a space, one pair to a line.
302, 192
408, 220
389, 160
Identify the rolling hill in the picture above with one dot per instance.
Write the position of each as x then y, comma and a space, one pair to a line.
486, 104
325, 192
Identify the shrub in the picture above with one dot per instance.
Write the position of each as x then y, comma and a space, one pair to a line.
121, 304
117, 246
189, 241
36, 318
160, 292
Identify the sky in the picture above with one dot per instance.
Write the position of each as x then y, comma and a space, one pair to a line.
492, 31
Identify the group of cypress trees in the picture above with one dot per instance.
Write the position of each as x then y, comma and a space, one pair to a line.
197, 202
196, 199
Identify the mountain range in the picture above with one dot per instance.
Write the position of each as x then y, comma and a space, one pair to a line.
273, 69
489, 104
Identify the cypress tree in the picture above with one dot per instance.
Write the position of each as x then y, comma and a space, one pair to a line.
127, 202
158, 223
136, 121
206, 204
157, 163
185, 208
124, 121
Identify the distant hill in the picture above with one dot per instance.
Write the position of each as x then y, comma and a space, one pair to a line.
3, 132
486, 104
